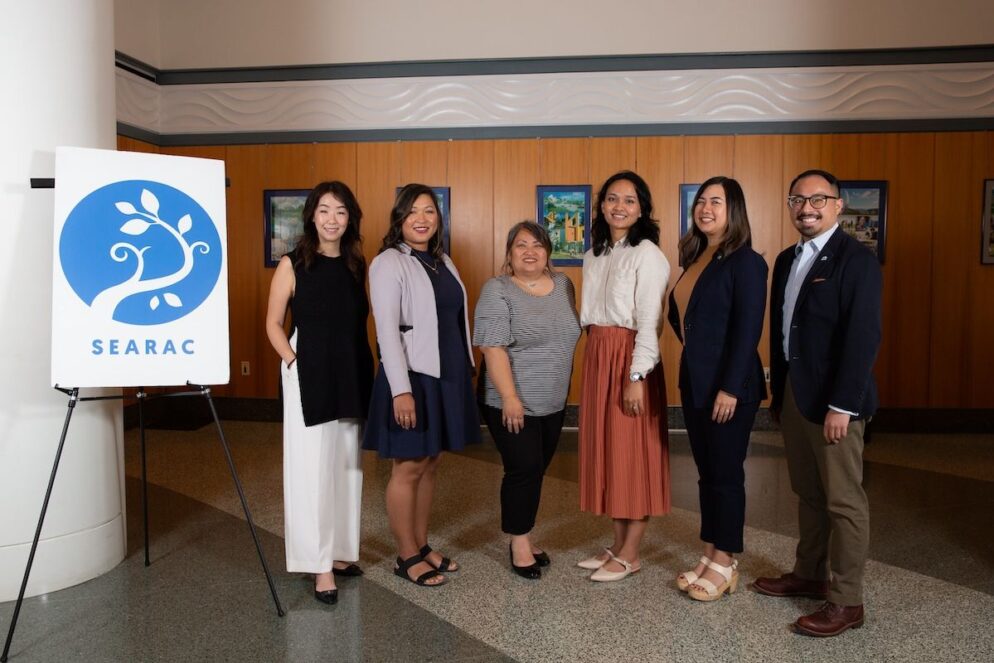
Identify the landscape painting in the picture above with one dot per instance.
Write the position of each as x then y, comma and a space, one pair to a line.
865, 213
564, 210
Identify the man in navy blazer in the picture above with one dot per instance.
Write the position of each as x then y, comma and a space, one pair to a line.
824, 337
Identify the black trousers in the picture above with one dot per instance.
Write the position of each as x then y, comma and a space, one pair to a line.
526, 456
719, 451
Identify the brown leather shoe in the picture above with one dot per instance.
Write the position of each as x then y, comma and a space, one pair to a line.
830, 619
790, 585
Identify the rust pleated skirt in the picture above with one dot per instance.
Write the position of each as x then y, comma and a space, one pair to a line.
624, 461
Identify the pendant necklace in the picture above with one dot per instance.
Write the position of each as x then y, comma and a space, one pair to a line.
526, 283
424, 262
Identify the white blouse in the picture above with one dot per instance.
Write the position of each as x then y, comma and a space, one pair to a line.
624, 287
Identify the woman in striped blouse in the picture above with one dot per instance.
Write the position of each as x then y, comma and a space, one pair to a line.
526, 325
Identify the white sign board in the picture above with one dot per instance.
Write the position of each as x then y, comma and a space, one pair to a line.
140, 272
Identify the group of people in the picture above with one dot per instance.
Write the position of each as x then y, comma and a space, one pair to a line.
825, 330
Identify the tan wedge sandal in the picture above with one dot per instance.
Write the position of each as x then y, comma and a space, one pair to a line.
688, 578
703, 589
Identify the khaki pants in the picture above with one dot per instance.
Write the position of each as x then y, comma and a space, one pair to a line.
833, 514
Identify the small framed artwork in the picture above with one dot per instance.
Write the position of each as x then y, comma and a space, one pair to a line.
865, 213
687, 193
284, 209
564, 210
987, 225
442, 194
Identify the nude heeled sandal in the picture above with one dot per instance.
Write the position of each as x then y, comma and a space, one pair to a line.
595, 562
704, 590
627, 569
688, 578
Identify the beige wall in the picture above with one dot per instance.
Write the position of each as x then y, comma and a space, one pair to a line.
136, 29
241, 33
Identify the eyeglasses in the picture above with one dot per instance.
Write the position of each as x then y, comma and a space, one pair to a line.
817, 201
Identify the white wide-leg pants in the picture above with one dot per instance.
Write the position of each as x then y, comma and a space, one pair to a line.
322, 486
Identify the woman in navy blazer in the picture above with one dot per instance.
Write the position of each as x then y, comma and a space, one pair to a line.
716, 309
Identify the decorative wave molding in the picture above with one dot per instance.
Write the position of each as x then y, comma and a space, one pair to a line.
943, 91
138, 102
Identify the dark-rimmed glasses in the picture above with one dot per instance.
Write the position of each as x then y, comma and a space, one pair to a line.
817, 201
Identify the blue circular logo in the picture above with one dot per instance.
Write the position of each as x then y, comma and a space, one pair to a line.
140, 252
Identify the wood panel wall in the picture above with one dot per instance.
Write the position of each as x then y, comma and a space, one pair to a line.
937, 305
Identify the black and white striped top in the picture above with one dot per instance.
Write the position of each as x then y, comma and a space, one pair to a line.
539, 334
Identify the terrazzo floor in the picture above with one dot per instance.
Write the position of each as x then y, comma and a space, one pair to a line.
929, 593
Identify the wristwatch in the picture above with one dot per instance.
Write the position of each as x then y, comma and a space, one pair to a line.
635, 376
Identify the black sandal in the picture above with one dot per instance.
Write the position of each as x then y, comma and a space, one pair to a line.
403, 565
444, 567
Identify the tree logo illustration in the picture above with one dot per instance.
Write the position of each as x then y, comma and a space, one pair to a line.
140, 252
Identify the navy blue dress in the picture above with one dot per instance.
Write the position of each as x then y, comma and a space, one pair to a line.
445, 407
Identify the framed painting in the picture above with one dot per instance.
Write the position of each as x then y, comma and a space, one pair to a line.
564, 210
283, 210
865, 213
987, 225
687, 193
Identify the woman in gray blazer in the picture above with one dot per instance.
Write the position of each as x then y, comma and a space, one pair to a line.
423, 401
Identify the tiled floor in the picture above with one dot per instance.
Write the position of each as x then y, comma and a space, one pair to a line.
930, 581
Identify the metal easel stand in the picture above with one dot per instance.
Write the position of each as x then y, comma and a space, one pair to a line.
73, 394
205, 391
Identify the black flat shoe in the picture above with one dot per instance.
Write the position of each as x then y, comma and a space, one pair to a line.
531, 572
542, 558
350, 571
329, 596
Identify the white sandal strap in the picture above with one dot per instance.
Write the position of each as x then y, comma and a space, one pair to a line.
725, 571
627, 565
709, 587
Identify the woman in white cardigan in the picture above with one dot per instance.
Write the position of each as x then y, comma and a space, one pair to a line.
423, 401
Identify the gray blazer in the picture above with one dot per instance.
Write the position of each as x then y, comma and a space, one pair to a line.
403, 303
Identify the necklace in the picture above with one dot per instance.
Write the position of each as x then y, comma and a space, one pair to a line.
433, 267
533, 284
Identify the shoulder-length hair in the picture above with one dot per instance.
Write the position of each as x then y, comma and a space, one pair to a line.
737, 232
645, 228
405, 200
351, 243
537, 232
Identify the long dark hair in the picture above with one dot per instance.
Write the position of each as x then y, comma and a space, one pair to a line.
351, 243
737, 232
537, 232
645, 228
406, 197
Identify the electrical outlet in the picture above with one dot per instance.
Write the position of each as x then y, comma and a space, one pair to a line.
766, 373
245, 368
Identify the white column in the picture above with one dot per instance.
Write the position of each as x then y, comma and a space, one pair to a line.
57, 83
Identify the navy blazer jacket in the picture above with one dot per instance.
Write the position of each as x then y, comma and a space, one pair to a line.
834, 334
721, 328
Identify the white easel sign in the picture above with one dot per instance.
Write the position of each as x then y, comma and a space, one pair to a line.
139, 287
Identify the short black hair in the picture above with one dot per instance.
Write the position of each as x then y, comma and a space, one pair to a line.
824, 174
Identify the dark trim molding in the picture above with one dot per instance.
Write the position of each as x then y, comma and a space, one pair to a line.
578, 131
660, 62
138, 133
136, 66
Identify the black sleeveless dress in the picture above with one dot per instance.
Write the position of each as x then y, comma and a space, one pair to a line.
334, 363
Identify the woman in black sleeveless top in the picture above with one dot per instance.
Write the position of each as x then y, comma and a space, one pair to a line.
327, 374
